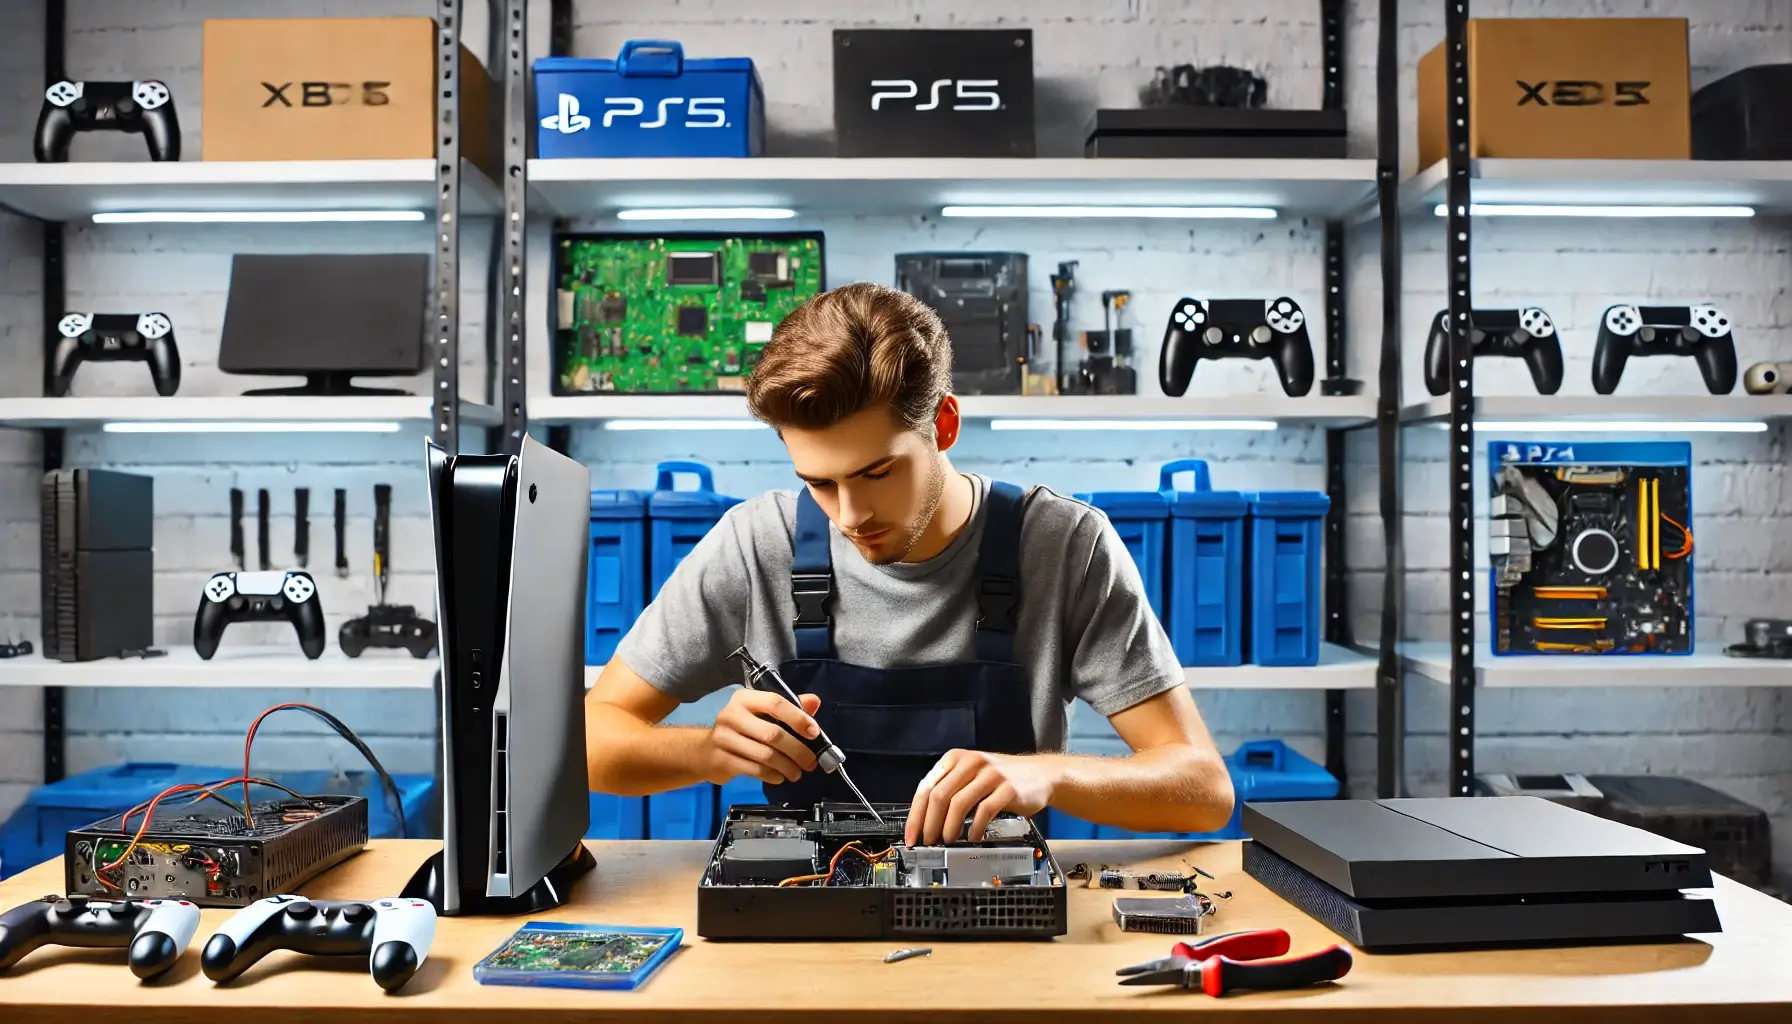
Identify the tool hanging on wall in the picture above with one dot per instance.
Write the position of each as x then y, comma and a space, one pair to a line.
385, 625
236, 529
341, 533
382, 539
263, 511
1063, 289
301, 526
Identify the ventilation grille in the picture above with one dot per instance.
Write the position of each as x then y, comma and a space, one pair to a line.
294, 857
500, 794
57, 527
1008, 911
1329, 906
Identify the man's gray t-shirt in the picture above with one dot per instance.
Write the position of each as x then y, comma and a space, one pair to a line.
1084, 628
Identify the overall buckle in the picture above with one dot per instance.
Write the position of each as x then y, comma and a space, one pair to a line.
997, 600
811, 592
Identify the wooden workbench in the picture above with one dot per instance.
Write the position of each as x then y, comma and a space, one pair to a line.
1745, 973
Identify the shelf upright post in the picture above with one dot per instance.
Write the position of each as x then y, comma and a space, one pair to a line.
55, 290
559, 45
445, 390
1462, 404
1337, 619
1390, 681
517, 122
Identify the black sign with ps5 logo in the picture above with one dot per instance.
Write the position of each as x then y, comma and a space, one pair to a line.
928, 92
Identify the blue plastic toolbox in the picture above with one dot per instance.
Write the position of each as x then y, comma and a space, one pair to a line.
1139, 517
1287, 545
617, 817
649, 101
679, 519
685, 813
35, 831
1206, 580
616, 572
1261, 771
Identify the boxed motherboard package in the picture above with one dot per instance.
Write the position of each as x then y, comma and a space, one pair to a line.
832, 872
673, 313
1591, 547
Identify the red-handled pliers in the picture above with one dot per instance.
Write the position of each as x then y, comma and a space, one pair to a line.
1239, 961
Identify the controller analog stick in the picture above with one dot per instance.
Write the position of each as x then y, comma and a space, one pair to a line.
1595, 552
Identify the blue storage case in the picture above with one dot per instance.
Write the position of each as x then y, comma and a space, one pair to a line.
649, 101
616, 571
1139, 517
1287, 549
617, 817
685, 813
681, 518
1206, 583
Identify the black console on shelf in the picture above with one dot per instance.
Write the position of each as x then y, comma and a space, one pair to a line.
327, 318
98, 564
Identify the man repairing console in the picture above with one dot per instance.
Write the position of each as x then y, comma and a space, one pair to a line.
934, 623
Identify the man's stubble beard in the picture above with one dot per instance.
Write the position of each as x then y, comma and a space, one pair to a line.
936, 492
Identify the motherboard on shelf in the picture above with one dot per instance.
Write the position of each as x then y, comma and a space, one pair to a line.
834, 872
673, 313
1591, 547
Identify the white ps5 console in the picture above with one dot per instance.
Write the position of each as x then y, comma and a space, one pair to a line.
512, 534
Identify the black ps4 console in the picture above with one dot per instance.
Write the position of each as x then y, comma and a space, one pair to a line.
1223, 133
1476, 871
511, 537
98, 569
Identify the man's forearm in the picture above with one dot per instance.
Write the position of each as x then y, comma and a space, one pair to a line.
1173, 788
629, 757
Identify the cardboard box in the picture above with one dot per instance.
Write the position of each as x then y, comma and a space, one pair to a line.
333, 89
1566, 88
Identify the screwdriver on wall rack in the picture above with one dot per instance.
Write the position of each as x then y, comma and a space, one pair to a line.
827, 756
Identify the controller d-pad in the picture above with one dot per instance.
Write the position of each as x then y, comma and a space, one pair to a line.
74, 325
1284, 316
1189, 317
150, 94
1536, 323
1623, 319
63, 93
154, 326
219, 588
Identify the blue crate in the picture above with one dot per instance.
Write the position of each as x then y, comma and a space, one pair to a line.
617, 817
679, 519
616, 573
1287, 546
649, 101
685, 813
1206, 580
35, 831
1139, 517
742, 790
1262, 771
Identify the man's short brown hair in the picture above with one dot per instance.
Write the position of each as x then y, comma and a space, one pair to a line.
849, 349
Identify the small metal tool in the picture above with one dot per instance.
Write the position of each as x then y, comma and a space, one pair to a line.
907, 954
828, 757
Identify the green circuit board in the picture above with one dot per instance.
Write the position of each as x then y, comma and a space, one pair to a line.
597, 952
674, 313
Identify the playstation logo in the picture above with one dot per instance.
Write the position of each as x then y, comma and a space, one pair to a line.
568, 120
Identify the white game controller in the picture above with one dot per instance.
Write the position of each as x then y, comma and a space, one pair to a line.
230, 597
394, 934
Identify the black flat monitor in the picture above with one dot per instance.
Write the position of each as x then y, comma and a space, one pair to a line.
511, 539
327, 318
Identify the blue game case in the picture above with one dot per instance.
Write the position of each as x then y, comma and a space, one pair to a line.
486, 974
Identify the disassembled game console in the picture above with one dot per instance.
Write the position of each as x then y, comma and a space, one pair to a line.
677, 313
211, 855
835, 873
1590, 548
981, 297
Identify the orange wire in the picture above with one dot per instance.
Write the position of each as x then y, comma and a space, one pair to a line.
248, 742
1686, 545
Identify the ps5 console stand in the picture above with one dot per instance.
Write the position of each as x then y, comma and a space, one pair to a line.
329, 384
511, 539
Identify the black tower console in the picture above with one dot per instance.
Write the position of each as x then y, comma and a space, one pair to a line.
511, 597
98, 571
982, 299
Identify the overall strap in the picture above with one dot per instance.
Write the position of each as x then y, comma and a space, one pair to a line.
998, 574
812, 580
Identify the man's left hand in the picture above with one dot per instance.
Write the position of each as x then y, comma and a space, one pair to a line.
973, 784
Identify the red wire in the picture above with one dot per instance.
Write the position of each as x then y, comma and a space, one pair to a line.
248, 742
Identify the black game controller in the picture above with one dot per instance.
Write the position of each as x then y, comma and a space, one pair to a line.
1528, 334
1236, 329
155, 931
146, 108
388, 625
1702, 332
259, 597
115, 337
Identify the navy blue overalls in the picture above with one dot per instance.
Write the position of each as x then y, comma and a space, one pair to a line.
893, 724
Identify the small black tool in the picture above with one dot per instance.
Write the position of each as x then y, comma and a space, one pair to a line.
1063, 289
263, 510
341, 533
382, 538
301, 526
828, 757
236, 528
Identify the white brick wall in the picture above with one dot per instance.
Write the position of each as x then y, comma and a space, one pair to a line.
1089, 53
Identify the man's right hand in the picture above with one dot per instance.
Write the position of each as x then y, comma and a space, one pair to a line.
744, 743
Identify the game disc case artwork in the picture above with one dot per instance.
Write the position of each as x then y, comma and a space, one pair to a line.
579, 956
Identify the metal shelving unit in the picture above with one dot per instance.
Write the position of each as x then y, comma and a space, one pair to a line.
443, 190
